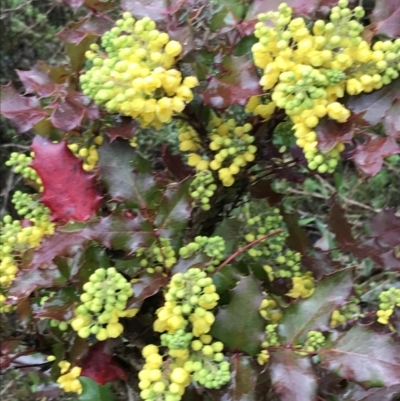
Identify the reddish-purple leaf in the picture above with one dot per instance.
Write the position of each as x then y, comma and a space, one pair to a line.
262, 189
100, 366
391, 121
339, 225
58, 244
363, 356
157, 10
369, 155
28, 281
330, 133
124, 128
292, 376
385, 228
37, 80
24, 112
66, 116
309, 7
371, 108
120, 232
146, 286
69, 191
175, 164
386, 17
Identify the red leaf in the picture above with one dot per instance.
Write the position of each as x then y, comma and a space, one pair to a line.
69, 191
100, 366
67, 116
175, 164
124, 128
157, 10
369, 155
386, 16
330, 132
24, 112
309, 7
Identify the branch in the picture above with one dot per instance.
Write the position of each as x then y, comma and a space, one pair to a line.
245, 248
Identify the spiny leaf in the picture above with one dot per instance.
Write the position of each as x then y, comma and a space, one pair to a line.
385, 228
157, 10
120, 232
314, 313
60, 306
370, 154
386, 17
292, 376
127, 176
24, 112
69, 191
239, 327
124, 128
330, 133
174, 211
363, 356
92, 391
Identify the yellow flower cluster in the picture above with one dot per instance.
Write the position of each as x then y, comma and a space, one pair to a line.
231, 147
389, 299
88, 153
103, 304
15, 239
307, 71
261, 106
154, 380
68, 380
269, 310
302, 287
134, 76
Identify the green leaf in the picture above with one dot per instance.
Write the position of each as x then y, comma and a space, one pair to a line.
244, 45
92, 391
127, 176
174, 210
314, 313
239, 326
363, 356
292, 376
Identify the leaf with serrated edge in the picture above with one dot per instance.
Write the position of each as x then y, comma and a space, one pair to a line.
292, 376
239, 327
363, 356
314, 313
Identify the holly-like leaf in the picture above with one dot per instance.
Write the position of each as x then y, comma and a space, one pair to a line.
58, 244
175, 164
292, 376
69, 191
330, 133
146, 286
314, 313
92, 391
363, 356
244, 379
369, 109
23, 111
174, 211
100, 366
391, 121
239, 327
124, 128
28, 281
385, 228
127, 176
37, 80
369, 155
120, 232
386, 16
309, 7
60, 306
